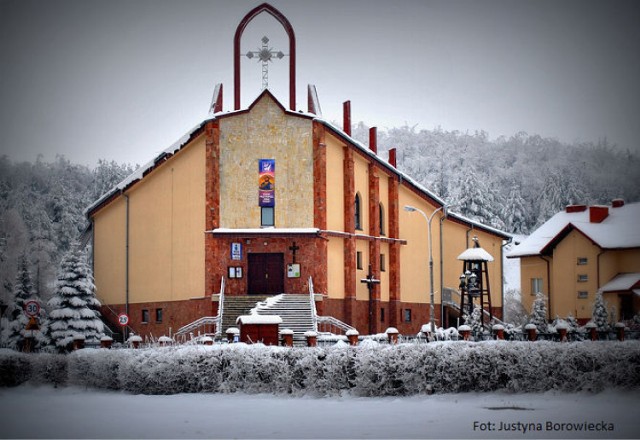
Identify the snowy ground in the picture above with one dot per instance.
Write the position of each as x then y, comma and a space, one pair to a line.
39, 412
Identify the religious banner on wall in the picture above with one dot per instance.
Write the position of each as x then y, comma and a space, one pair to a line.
267, 182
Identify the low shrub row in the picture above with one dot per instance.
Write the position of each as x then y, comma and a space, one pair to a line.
370, 369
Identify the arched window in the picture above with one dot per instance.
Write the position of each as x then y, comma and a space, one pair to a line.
358, 216
381, 219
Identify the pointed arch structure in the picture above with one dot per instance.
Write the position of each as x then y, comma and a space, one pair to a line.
265, 7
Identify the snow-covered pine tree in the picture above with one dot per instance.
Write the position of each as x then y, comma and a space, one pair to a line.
74, 305
24, 291
599, 316
475, 320
538, 315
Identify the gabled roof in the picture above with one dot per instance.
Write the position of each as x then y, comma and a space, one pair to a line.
622, 282
195, 131
619, 230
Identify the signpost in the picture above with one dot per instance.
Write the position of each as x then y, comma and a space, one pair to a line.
32, 308
123, 319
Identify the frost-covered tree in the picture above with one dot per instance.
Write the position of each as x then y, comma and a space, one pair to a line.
514, 311
24, 291
538, 315
475, 320
516, 212
600, 316
74, 305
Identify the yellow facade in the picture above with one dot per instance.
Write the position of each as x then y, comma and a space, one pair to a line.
573, 273
165, 229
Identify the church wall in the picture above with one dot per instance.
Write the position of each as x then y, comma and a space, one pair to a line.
266, 132
335, 267
166, 229
335, 184
109, 252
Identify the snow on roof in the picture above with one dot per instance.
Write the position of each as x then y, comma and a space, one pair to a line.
259, 319
173, 148
618, 230
475, 254
622, 282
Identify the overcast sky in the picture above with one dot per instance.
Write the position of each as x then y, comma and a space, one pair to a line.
122, 80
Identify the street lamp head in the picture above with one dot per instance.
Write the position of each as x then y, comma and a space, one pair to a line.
409, 208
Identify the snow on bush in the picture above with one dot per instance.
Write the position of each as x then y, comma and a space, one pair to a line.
371, 369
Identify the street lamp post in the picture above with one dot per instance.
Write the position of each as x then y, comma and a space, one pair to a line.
443, 208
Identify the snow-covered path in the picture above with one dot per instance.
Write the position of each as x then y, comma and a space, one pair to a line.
45, 412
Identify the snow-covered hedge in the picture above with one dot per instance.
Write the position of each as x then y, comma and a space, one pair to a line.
370, 369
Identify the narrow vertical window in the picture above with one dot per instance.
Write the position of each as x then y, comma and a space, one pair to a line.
536, 286
383, 263
359, 260
267, 216
158, 315
145, 315
358, 217
381, 209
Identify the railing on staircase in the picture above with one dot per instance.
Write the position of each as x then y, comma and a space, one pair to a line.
215, 322
312, 300
108, 327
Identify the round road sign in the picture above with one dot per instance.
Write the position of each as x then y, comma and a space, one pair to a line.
32, 308
123, 319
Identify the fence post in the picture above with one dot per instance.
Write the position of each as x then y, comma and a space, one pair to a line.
207, 340
231, 334
620, 331
392, 335
106, 342
532, 332
312, 338
562, 331
78, 342
352, 335
135, 341
465, 331
593, 331
287, 337
498, 331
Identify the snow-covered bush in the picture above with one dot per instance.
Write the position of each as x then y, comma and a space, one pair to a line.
371, 369
538, 315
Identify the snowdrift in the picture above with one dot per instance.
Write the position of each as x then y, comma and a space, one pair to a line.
370, 369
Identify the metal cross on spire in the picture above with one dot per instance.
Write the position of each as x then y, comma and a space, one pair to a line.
265, 55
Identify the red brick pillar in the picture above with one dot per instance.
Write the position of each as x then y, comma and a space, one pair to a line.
78, 342
352, 335
498, 331
312, 338
392, 335
620, 331
212, 204
207, 340
394, 252
106, 342
532, 332
465, 332
319, 176
562, 332
592, 330
287, 337
349, 193
135, 341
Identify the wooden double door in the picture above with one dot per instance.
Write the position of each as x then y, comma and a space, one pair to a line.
266, 273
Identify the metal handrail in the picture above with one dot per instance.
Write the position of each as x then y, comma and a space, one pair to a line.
207, 320
334, 322
312, 300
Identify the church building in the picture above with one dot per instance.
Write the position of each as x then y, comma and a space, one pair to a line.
269, 200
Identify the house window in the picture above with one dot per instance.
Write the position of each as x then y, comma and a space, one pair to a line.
582, 261
407, 315
358, 217
359, 260
536, 286
382, 314
583, 294
381, 219
267, 217
582, 278
158, 315
145, 316
383, 263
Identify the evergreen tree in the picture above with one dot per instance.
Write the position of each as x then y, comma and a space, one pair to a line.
74, 305
538, 315
516, 213
23, 292
600, 316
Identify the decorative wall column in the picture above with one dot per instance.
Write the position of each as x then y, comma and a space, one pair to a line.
394, 253
212, 204
349, 192
319, 176
374, 247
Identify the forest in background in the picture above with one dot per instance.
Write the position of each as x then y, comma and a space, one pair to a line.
514, 184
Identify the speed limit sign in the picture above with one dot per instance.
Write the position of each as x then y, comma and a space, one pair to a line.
123, 319
32, 308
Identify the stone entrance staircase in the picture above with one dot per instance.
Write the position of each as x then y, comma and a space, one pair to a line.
235, 306
295, 311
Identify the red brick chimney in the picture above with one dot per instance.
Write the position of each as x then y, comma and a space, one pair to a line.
575, 208
598, 213
617, 203
346, 117
373, 139
392, 157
